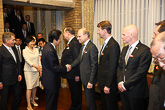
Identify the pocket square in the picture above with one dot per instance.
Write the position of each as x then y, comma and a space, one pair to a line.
131, 56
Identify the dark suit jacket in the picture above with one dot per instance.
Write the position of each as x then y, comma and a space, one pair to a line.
69, 54
88, 64
162, 91
50, 67
9, 68
19, 34
16, 24
154, 102
135, 71
107, 72
32, 30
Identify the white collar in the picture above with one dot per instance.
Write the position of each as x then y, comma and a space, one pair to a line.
53, 45
134, 44
86, 42
8, 48
106, 41
70, 40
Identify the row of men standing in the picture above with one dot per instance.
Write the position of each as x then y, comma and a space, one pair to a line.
134, 63
15, 22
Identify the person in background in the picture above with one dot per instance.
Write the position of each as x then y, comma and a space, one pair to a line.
69, 54
135, 60
107, 68
10, 72
32, 68
30, 26
41, 43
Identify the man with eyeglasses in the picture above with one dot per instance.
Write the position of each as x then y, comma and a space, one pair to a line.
158, 53
154, 103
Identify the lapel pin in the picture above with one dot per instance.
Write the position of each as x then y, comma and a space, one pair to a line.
157, 68
85, 51
102, 54
131, 56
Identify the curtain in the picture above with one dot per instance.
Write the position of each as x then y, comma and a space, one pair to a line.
143, 13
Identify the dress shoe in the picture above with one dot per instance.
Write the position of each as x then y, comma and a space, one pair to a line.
29, 108
34, 104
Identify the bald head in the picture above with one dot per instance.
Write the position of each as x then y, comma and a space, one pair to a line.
158, 45
130, 34
83, 35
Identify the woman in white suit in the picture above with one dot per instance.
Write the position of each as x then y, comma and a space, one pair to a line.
32, 68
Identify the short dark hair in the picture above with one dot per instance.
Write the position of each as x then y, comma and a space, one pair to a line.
54, 34
163, 21
41, 39
7, 35
70, 30
29, 39
40, 33
105, 25
162, 27
27, 15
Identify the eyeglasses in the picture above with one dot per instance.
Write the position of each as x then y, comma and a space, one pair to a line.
158, 60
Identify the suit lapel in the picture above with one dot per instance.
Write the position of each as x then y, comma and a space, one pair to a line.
85, 50
134, 51
9, 53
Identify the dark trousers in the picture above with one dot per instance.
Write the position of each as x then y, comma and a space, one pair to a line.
76, 94
17, 94
130, 103
109, 101
51, 98
90, 97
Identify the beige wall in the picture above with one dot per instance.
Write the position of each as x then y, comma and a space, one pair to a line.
1, 21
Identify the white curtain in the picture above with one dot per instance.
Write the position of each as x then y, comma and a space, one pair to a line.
143, 13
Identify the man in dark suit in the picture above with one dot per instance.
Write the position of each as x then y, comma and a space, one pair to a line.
134, 63
10, 73
22, 34
30, 25
88, 60
158, 53
51, 70
154, 102
7, 27
107, 70
17, 21
69, 54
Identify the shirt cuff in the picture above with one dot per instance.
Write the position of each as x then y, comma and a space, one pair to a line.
122, 84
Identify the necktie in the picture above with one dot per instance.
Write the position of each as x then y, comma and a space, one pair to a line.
82, 49
19, 54
102, 48
128, 54
12, 53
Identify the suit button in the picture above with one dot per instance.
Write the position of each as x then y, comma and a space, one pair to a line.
125, 69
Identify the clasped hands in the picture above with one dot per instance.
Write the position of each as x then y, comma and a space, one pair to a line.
68, 66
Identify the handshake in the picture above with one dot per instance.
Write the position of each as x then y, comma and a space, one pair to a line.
68, 66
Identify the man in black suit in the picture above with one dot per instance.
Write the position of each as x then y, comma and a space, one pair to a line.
154, 102
69, 54
107, 69
158, 53
134, 63
51, 70
88, 60
17, 21
7, 27
10, 73
22, 34
30, 25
